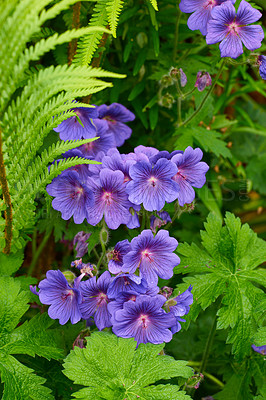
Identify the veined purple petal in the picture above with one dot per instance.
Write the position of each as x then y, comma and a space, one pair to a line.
251, 36
246, 14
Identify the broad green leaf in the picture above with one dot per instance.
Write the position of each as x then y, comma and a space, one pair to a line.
9, 264
21, 383
113, 368
225, 267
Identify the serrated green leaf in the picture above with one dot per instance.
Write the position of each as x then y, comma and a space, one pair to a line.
34, 337
113, 368
226, 268
9, 264
21, 383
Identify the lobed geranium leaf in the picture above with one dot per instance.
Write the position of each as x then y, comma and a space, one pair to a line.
114, 369
32, 337
226, 268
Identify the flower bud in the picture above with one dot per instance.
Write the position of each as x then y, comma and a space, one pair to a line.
203, 79
178, 74
104, 235
166, 81
70, 276
167, 100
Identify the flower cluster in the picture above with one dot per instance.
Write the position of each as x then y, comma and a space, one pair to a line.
116, 189
129, 301
219, 21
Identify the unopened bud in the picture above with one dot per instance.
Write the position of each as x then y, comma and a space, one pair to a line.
104, 235
70, 276
178, 74
166, 81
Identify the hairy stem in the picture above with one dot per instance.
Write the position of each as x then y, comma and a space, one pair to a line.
208, 346
7, 201
205, 97
176, 33
72, 46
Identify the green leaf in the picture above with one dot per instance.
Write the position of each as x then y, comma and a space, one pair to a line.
9, 264
31, 338
114, 8
226, 268
20, 382
154, 4
113, 368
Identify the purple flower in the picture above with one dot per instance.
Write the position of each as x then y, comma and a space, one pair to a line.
127, 283
156, 222
104, 143
82, 169
231, 29
203, 79
118, 303
111, 200
164, 154
134, 219
259, 349
80, 240
71, 196
144, 320
180, 307
146, 151
95, 300
153, 255
177, 74
63, 299
183, 78
117, 162
262, 65
71, 129
201, 10
152, 186
116, 115
85, 269
191, 172
116, 256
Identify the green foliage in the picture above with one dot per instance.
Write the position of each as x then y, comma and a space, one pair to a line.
113, 9
32, 338
33, 103
227, 267
112, 368
88, 44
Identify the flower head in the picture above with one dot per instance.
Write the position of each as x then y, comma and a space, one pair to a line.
153, 255
262, 65
180, 307
161, 219
201, 10
203, 79
116, 115
127, 283
116, 256
111, 200
231, 29
152, 185
71, 128
95, 300
63, 299
71, 196
80, 240
144, 320
191, 172
259, 349
104, 142
117, 162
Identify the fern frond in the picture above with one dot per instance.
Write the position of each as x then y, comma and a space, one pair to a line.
114, 8
154, 4
87, 45
40, 164
24, 208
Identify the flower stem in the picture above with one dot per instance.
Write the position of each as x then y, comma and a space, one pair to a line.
38, 252
7, 201
176, 33
205, 97
208, 346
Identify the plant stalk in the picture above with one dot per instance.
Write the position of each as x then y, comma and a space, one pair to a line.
205, 97
38, 252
